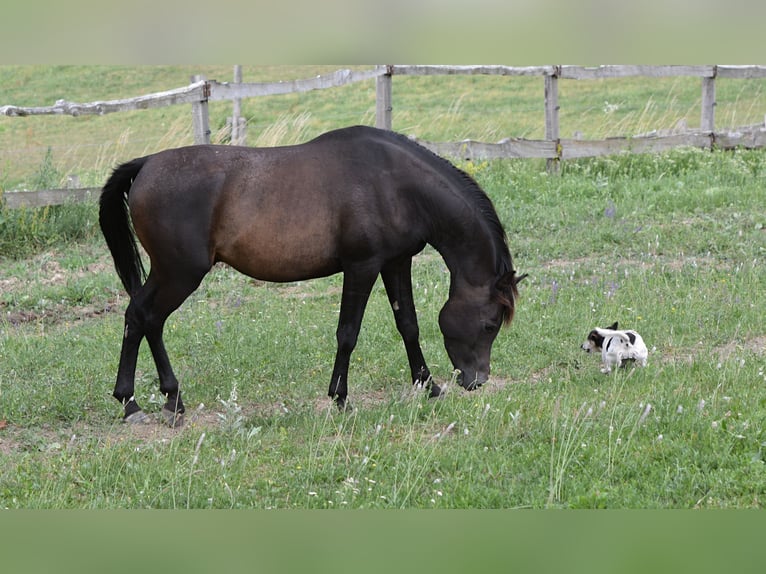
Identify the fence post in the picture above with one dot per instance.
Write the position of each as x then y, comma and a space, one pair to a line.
707, 121
552, 116
237, 121
383, 105
200, 114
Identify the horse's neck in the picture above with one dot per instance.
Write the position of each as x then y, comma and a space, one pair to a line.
459, 231
467, 250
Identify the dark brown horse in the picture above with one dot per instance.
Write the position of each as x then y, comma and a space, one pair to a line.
359, 200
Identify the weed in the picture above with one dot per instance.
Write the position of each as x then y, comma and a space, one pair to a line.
48, 176
27, 231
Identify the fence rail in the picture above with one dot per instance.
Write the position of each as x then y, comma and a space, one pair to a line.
41, 198
187, 95
553, 148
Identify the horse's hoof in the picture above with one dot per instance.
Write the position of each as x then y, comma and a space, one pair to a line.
344, 406
172, 419
435, 391
137, 418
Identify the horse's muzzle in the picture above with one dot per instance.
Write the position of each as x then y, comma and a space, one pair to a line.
471, 380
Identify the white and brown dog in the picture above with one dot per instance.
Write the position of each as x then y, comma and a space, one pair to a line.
617, 347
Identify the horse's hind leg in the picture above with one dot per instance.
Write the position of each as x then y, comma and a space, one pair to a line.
145, 317
131, 340
397, 278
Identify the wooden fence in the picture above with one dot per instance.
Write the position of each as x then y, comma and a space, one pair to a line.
553, 148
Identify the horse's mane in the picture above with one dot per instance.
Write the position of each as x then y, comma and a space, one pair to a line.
473, 191
505, 288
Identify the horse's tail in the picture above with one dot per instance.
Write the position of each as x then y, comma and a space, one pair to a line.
114, 219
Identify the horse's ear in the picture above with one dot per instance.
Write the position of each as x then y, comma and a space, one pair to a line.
506, 293
507, 283
613, 326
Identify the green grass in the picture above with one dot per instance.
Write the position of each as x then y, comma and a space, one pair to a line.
671, 245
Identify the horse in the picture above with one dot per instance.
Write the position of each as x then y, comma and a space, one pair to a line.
358, 200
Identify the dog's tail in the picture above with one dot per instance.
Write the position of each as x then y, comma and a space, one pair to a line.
624, 335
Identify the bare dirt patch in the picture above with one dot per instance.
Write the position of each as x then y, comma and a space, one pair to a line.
756, 345
60, 312
21, 302
299, 291
323, 406
50, 439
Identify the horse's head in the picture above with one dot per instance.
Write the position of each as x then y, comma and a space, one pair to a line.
470, 321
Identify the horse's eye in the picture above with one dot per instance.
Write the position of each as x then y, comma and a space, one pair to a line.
489, 327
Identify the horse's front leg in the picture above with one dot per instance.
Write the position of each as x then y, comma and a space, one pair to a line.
357, 285
397, 278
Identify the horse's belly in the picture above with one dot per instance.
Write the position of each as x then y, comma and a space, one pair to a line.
279, 260
286, 271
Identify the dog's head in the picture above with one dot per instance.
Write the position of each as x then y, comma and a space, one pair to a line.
595, 340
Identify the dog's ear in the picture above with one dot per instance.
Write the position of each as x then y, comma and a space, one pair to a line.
613, 326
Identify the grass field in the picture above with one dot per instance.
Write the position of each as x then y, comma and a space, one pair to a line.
670, 245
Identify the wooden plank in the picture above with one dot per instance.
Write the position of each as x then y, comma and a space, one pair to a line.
573, 149
17, 199
383, 104
507, 148
552, 118
707, 119
412, 70
742, 72
201, 115
237, 121
195, 93
551, 108
598, 72
751, 138
226, 91
185, 95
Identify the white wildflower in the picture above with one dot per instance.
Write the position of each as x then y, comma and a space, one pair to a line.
645, 414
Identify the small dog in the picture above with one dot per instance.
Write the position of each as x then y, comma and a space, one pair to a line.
617, 347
